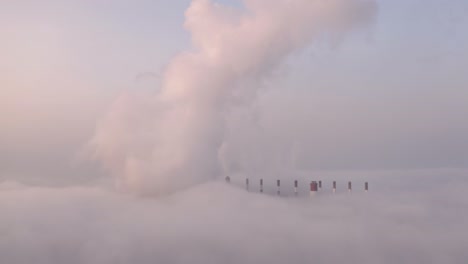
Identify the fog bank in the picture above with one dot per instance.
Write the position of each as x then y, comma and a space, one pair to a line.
220, 223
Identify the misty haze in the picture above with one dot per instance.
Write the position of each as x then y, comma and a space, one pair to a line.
233, 131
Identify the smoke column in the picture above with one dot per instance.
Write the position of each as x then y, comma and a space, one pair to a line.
173, 139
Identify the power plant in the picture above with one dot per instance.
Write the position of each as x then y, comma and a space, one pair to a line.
314, 187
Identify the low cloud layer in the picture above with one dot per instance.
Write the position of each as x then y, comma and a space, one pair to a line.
220, 223
352, 112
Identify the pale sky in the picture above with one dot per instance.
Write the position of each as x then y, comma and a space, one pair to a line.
392, 96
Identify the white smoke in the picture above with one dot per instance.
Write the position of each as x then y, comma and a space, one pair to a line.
159, 143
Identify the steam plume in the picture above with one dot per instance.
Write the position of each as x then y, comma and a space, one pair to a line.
170, 140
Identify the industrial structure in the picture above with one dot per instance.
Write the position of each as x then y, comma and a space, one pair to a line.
314, 187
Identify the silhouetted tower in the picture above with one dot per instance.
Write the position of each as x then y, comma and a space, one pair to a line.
295, 187
278, 183
313, 188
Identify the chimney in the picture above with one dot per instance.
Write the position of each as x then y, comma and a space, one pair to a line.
313, 188
295, 187
278, 183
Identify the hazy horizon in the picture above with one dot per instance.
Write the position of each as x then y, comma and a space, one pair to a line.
119, 121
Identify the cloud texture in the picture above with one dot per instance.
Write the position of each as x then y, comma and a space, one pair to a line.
174, 139
220, 223
205, 120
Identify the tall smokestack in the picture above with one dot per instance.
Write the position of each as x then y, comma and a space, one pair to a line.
247, 184
261, 185
366, 186
334, 186
349, 187
278, 183
295, 187
313, 188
